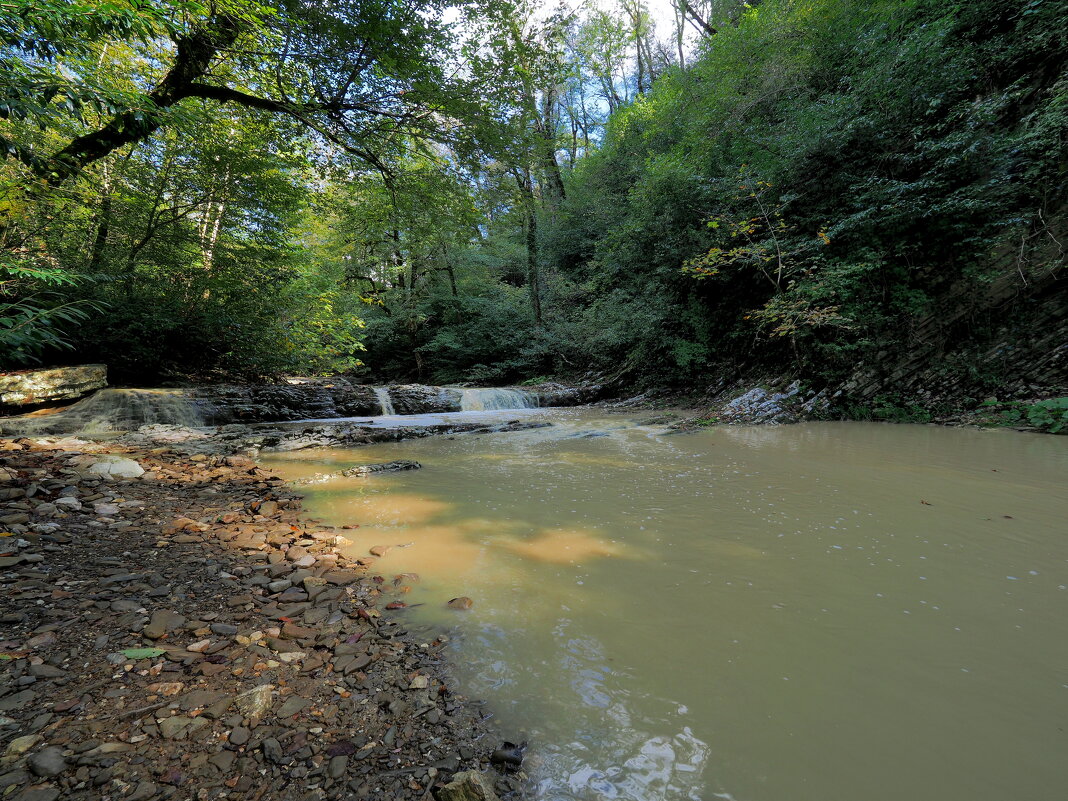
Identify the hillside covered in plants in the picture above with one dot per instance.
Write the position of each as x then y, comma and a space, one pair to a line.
868, 197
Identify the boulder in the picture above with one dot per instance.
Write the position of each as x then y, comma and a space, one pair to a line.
108, 464
33, 387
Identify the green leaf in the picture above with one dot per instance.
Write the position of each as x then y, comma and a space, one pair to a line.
142, 653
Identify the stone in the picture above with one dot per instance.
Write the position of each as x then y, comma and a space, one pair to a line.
224, 760
463, 602
32, 387
469, 785
46, 672
292, 706
166, 688
272, 750
255, 703
173, 728
142, 792
291, 631
335, 769
162, 622
16, 700
47, 762
38, 794
20, 745
109, 464
239, 735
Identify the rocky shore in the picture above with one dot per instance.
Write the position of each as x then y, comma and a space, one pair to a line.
171, 626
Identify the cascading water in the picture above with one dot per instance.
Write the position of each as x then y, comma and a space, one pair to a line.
382, 393
107, 411
478, 400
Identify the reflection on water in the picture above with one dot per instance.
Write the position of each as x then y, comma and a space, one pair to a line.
813, 613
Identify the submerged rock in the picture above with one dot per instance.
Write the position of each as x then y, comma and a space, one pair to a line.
362, 470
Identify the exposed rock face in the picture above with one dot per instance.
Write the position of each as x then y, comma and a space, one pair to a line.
115, 410
310, 399
762, 406
420, 399
554, 394
34, 387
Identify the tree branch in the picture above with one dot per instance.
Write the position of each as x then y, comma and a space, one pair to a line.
195, 54
708, 29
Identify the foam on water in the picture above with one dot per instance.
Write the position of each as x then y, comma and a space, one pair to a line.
108, 411
478, 400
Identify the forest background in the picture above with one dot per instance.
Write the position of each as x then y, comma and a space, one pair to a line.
499, 192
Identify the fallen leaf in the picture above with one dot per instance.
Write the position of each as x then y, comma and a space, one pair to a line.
142, 653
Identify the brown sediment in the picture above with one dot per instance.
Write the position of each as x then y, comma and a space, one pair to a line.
276, 672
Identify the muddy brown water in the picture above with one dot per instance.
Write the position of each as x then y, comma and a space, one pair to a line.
820, 612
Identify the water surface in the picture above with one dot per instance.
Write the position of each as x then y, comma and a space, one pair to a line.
822, 612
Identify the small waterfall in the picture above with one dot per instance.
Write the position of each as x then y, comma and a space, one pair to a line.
477, 400
382, 393
107, 411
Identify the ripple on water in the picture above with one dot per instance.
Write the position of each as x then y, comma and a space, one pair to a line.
825, 611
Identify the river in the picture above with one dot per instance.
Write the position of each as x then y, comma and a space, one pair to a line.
819, 612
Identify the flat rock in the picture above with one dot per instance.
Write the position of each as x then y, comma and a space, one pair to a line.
47, 762
292, 706
162, 621
255, 703
468, 785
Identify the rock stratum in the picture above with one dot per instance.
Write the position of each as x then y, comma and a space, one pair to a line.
37, 387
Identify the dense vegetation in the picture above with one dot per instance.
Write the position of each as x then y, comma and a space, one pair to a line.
491, 194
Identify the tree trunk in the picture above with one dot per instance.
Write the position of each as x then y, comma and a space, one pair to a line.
531, 230
103, 225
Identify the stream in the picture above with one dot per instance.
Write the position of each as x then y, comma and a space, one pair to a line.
818, 612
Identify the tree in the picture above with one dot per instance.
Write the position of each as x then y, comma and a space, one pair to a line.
356, 72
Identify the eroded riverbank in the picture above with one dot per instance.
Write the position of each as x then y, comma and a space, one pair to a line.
188, 633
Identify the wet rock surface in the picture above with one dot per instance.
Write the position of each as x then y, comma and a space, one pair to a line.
422, 399
186, 633
308, 399
254, 439
363, 470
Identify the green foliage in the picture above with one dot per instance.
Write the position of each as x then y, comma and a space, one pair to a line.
889, 409
822, 186
825, 175
34, 317
1049, 415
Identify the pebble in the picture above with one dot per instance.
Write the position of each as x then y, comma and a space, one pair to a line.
47, 762
239, 735
272, 750
253, 642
